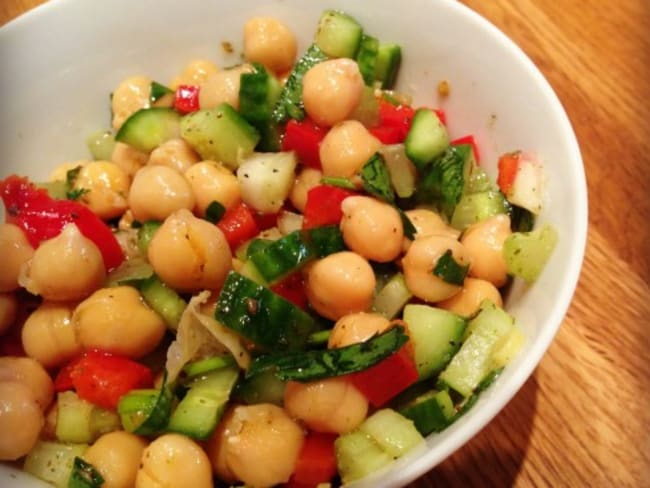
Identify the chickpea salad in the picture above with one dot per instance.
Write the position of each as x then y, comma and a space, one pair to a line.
280, 273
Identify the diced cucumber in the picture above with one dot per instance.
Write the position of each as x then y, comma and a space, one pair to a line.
158, 91
338, 34
358, 455
52, 461
394, 433
265, 180
101, 145
389, 58
146, 233
81, 422
479, 181
402, 171
84, 475
427, 138
486, 333
392, 297
146, 411
220, 134
476, 207
57, 189
258, 93
163, 300
367, 58
367, 111
430, 412
207, 365
261, 388
200, 410
148, 128
509, 349
436, 335
131, 272
526, 253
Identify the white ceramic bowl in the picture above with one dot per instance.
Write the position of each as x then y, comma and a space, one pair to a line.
60, 62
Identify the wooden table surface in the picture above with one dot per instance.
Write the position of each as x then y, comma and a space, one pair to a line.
583, 418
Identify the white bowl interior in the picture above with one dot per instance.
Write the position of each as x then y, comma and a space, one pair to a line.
61, 61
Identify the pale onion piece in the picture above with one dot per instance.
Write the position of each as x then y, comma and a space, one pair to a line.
289, 222
266, 180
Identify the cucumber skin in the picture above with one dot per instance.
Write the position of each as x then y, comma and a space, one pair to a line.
367, 58
427, 138
338, 34
148, 128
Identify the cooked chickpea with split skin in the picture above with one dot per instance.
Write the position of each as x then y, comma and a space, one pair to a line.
356, 327
484, 244
328, 405
157, 192
21, 420
339, 284
174, 460
104, 187
346, 148
307, 179
256, 444
372, 228
30, 373
270, 42
116, 456
67, 267
212, 182
104, 319
15, 250
129, 159
420, 260
427, 223
468, 300
189, 253
174, 153
332, 90
195, 73
48, 334
8, 310
223, 86
130, 96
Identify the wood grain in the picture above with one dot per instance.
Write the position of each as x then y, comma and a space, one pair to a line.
583, 418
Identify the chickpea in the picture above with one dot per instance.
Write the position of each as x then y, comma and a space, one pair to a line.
331, 90
106, 186
372, 228
15, 250
484, 243
346, 148
212, 182
307, 179
67, 267
60, 173
174, 460
468, 300
270, 42
339, 284
329, 405
129, 159
108, 316
130, 96
356, 327
190, 254
257, 444
48, 335
116, 456
174, 153
194, 73
21, 420
30, 373
427, 223
223, 86
8, 311
157, 192
421, 258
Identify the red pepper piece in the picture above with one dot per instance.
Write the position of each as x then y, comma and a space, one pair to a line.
387, 134
41, 218
102, 378
508, 168
323, 206
238, 225
292, 288
316, 462
384, 380
304, 137
186, 98
472, 142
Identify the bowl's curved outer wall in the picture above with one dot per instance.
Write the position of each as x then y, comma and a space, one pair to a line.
61, 61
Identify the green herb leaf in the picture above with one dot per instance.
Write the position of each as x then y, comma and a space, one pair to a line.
214, 212
158, 91
73, 193
326, 363
338, 181
84, 475
376, 179
409, 228
448, 269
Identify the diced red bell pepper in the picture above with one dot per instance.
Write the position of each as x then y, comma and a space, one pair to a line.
265, 220
394, 122
323, 206
238, 225
292, 288
441, 115
387, 134
469, 139
186, 98
316, 462
304, 137
102, 378
384, 380
508, 167
41, 218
